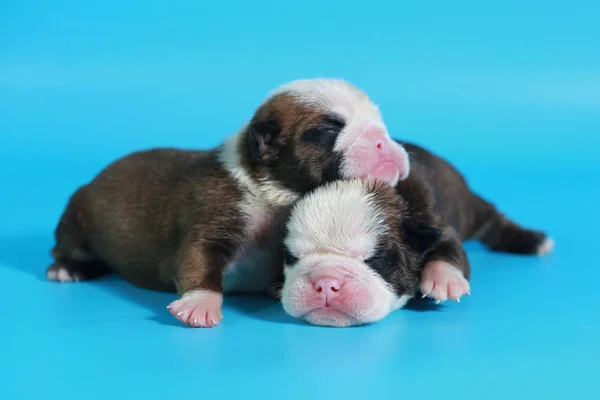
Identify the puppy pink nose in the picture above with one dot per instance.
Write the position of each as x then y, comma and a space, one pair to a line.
378, 137
381, 146
327, 287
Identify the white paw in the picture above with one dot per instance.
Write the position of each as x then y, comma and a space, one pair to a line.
546, 247
61, 274
442, 281
199, 308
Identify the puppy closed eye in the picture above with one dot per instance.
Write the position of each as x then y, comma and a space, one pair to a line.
334, 121
289, 258
384, 260
325, 133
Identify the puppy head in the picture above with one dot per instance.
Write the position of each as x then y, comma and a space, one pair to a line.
352, 255
310, 132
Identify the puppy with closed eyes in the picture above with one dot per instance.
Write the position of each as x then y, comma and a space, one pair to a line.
204, 223
356, 250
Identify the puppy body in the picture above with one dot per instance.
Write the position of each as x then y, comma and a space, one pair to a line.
206, 222
357, 250
136, 215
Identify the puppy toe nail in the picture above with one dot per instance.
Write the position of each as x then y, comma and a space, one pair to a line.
458, 299
424, 295
180, 313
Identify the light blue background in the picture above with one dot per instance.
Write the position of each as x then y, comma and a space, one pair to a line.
508, 91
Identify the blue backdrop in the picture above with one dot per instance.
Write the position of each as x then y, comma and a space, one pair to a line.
508, 91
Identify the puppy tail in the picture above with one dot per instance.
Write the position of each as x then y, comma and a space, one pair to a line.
499, 233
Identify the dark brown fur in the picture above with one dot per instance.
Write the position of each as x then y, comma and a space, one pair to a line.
285, 158
149, 212
438, 196
169, 219
412, 233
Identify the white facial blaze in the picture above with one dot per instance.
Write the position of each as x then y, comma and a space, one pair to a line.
339, 217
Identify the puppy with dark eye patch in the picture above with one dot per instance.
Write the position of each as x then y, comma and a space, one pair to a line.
204, 223
356, 250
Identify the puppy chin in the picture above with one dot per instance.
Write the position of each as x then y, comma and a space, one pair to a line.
362, 296
387, 172
331, 317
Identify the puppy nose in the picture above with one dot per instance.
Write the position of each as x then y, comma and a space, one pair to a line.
327, 287
381, 146
377, 136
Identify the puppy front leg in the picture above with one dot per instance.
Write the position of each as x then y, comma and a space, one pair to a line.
447, 271
199, 281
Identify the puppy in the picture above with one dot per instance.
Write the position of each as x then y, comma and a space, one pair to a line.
356, 250
207, 222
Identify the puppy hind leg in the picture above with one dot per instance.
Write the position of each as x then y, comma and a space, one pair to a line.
66, 270
73, 261
500, 234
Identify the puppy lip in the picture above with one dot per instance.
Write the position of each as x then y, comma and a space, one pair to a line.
327, 307
387, 165
328, 311
389, 179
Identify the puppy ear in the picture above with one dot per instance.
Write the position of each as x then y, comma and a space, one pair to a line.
262, 135
421, 237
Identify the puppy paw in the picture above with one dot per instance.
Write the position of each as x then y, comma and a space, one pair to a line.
442, 281
198, 308
62, 272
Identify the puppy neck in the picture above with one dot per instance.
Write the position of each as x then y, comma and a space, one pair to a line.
260, 184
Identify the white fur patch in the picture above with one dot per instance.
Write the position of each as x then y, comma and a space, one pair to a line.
272, 192
401, 301
339, 217
328, 94
546, 247
259, 197
61, 274
52, 274
252, 271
